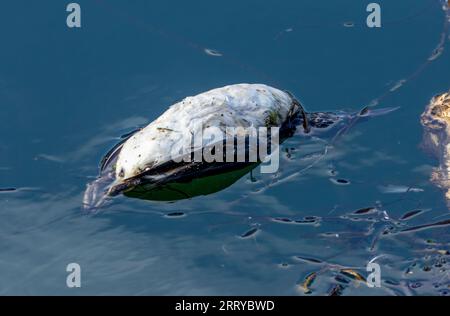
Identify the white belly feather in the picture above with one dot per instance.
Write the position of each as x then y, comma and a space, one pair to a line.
240, 105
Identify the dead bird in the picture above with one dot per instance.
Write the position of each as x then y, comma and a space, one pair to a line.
156, 155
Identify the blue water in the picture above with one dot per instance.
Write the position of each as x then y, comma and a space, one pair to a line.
67, 95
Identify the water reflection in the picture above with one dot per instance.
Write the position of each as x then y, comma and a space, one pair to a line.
186, 190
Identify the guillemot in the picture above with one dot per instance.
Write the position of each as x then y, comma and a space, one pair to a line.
156, 154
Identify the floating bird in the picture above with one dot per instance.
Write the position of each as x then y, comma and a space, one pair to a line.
156, 154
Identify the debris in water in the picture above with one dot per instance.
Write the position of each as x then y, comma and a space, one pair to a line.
250, 233
8, 189
353, 274
410, 269
332, 172
313, 260
425, 226
175, 214
329, 234
444, 292
305, 220
410, 214
212, 52
282, 220
398, 85
415, 285
436, 53
366, 210
349, 24
395, 189
284, 265
340, 181
305, 286
336, 290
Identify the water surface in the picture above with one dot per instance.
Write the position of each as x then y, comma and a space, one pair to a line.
66, 96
